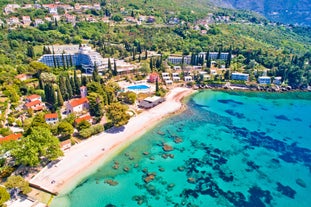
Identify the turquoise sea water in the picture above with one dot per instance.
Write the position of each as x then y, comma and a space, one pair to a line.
244, 149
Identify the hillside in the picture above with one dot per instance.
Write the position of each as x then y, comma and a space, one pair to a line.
285, 11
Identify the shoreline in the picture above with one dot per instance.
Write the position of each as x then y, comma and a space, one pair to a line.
85, 158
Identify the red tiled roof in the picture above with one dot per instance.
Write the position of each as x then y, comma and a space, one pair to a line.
33, 103
86, 118
51, 116
10, 137
78, 102
33, 96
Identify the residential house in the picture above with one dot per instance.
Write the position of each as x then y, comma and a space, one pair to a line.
188, 78
168, 82
131, 19
66, 7
33, 97
96, 6
52, 8
204, 75
26, 20
82, 118
10, 137
38, 22
48, 19
55, 17
51, 118
264, 80
150, 102
36, 105
10, 8
90, 19
176, 77
70, 18
142, 18
239, 76
77, 105
166, 76
13, 21
277, 80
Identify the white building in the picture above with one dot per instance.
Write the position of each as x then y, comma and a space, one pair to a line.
240, 76
177, 60
277, 80
77, 105
188, 78
264, 80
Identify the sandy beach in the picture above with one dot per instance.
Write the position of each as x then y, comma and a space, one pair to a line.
85, 157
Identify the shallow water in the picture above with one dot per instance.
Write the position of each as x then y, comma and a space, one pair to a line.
236, 150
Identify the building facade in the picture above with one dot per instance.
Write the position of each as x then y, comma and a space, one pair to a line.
177, 60
264, 80
72, 55
239, 76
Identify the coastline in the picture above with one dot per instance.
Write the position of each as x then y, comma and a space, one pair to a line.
84, 158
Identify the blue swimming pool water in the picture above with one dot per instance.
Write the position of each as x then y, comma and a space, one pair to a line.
138, 87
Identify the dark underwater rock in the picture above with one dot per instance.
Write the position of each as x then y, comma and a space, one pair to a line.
301, 183
286, 190
282, 117
227, 101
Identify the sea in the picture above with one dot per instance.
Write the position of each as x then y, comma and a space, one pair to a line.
228, 148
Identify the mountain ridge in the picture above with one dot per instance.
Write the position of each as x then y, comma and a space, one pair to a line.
284, 11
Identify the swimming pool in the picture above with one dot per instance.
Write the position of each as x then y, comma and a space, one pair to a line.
138, 87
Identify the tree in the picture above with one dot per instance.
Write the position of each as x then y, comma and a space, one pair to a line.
50, 94
68, 87
83, 125
30, 51
228, 61
115, 71
116, 112
63, 88
76, 82
95, 75
65, 129
39, 67
96, 104
116, 17
40, 144
18, 182
109, 65
60, 100
157, 86
4, 195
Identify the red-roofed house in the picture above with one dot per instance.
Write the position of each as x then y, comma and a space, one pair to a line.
26, 20
86, 118
36, 105
10, 137
33, 97
51, 118
77, 105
